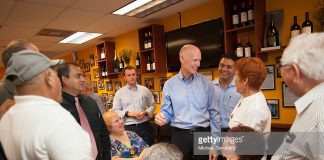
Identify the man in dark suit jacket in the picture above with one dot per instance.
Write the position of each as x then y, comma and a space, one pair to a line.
72, 80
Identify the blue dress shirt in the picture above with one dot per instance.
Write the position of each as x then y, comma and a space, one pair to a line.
227, 99
189, 104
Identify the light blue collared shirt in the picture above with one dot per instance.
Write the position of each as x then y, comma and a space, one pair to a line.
227, 99
190, 103
136, 99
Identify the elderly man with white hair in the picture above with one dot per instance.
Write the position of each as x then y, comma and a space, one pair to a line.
302, 68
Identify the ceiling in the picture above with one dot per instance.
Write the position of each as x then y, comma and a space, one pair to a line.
23, 19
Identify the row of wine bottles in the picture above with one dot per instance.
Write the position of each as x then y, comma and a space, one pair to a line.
307, 26
273, 33
243, 50
244, 15
148, 40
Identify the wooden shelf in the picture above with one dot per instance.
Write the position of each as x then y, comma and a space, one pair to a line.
147, 50
241, 29
282, 48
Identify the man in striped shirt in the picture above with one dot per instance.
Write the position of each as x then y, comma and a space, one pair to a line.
302, 68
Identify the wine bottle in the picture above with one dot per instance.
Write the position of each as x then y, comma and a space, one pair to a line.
244, 15
272, 34
121, 63
235, 18
149, 40
103, 71
148, 64
138, 62
152, 65
116, 63
103, 54
251, 12
248, 49
307, 26
145, 41
106, 71
295, 28
239, 49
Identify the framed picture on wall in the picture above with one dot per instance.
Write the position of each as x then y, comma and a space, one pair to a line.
288, 98
274, 108
278, 69
81, 64
96, 73
269, 82
109, 86
156, 95
87, 77
162, 80
111, 98
149, 83
117, 85
101, 85
87, 67
104, 97
94, 87
91, 56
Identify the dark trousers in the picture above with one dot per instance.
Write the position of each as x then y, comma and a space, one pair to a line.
144, 130
2, 154
184, 139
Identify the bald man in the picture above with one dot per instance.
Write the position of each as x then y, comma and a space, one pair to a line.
189, 103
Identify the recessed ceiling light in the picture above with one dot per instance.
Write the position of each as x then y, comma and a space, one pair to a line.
80, 37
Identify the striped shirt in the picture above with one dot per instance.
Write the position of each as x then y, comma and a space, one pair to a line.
306, 137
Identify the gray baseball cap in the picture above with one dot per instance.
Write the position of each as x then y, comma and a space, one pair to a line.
27, 64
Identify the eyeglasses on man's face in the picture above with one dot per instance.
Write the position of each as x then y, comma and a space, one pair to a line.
280, 65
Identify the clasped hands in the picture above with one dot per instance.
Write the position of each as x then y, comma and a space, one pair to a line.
137, 115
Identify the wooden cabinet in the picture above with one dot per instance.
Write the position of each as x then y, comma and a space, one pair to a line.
152, 46
253, 32
106, 63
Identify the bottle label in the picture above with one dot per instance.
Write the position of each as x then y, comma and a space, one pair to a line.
307, 29
239, 52
149, 45
121, 65
247, 51
243, 17
294, 33
272, 41
148, 67
235, 19
153, 66
250, 15
103, 55
137, 62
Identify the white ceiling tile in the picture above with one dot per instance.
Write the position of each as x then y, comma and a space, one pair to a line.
61, 3
108, 23
10, 33
45, 39
42, 46
73, 19
32, 15
5, 7
59, 47
105, 6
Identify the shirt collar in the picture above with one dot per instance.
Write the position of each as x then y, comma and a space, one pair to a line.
232, 84
303, 102
180, 75
130, 88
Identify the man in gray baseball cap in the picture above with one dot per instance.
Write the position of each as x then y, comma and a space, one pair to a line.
42, 128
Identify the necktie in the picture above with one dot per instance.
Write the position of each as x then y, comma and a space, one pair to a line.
86, 126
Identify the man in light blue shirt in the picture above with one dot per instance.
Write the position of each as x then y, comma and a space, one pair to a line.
226, 94
189, 103
135, 104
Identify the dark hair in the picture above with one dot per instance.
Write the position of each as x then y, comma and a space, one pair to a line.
64, 70
128, 68
231, 56
252, 69
253, 143
13, 47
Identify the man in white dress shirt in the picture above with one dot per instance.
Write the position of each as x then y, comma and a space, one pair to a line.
135, 104
302, 68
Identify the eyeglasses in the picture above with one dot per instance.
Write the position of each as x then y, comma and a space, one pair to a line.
279, 65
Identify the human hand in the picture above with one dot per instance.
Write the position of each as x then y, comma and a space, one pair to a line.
141, 115
160, 119
5, 106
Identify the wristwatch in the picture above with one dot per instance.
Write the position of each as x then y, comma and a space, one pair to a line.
126, 114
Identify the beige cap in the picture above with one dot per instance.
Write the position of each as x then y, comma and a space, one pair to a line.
27, 64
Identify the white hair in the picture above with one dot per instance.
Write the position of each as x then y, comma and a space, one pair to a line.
163, 151
307, 52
